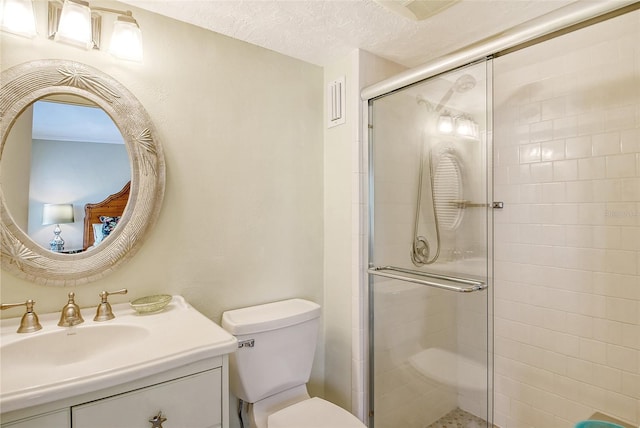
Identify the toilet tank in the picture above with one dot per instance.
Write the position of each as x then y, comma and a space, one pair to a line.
276, 345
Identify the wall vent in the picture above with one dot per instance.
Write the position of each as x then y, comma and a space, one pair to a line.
417, 10
336, 102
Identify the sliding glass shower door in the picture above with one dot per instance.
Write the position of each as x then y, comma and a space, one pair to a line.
429, 253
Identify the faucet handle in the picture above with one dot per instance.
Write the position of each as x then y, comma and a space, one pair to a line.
104, 312
29, 322
70, 315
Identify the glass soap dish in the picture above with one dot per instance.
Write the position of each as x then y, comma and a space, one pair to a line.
151, 304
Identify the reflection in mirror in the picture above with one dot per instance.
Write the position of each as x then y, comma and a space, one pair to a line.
74, 154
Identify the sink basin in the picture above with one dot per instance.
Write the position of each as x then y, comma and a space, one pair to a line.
69, 346
60, 362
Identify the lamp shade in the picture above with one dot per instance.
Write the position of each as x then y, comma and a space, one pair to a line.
17, 17
463, 126
126, 40
75, 24
445, 123
57, 214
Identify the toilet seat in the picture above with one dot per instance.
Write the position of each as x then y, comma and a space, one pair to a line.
313, 413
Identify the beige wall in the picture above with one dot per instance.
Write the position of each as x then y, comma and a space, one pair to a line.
241, 126
16, 172
344, 236
337, 237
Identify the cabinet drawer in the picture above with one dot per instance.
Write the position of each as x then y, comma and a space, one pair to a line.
189, 402
57, 419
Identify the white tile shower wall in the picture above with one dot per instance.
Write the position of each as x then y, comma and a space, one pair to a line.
567, 244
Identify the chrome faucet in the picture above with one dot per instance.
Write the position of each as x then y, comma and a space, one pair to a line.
29, 322
70, 315
104, 312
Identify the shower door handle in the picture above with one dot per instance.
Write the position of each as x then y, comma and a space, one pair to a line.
452, 283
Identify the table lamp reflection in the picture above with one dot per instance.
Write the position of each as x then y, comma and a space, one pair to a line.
57, 214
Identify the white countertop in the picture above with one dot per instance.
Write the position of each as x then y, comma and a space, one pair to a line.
61, 362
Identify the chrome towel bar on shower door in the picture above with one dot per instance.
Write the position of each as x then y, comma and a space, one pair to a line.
453, 283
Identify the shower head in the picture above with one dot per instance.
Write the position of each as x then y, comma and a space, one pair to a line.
464, 83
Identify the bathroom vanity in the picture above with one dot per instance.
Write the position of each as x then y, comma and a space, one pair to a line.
132, 371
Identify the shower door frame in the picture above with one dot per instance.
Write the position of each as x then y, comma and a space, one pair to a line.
561, 21
443, 282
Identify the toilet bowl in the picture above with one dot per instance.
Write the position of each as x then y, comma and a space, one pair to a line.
313, 413
272, 365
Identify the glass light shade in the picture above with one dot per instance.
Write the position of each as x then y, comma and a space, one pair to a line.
463, 127
126, 40
475, 130
57, 214
445, 123
18, 17
75, 24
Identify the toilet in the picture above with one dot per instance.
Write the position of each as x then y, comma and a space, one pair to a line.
272, 365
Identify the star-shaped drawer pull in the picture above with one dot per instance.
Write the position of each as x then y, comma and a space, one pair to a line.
157, 420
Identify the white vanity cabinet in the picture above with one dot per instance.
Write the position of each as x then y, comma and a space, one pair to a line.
192, 401
117, 374
193, 396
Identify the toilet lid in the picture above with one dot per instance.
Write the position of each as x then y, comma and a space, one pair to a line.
313, 413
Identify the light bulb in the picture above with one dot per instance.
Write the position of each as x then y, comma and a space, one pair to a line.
445, 123
18, 18
126, 40
463, 126
75, 24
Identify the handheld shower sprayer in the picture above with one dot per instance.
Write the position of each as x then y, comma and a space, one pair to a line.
464, 83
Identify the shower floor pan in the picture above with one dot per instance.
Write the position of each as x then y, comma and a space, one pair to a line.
458, 418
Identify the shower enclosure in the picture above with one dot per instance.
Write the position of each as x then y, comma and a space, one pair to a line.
504, 241
430, 252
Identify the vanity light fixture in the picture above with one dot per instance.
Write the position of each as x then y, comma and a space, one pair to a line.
75, 26
75, 22
445, 123
466, 127
57, 214
461, 126
126, 40
18, 17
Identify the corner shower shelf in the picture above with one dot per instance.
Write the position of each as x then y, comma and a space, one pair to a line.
444, 282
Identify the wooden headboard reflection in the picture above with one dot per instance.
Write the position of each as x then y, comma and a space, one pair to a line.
112, 206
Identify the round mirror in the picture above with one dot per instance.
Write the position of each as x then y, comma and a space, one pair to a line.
127, 202
62, 152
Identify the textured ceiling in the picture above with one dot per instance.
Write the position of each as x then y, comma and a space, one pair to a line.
322, 31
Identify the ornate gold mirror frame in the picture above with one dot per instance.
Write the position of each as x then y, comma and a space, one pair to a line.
26, 83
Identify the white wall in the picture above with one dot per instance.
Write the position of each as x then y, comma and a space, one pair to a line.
241, 126
567, 244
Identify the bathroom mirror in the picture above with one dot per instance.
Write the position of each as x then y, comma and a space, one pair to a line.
23, 85
77, 155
